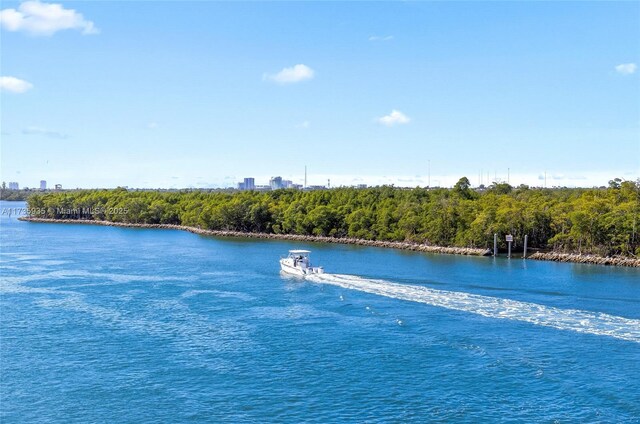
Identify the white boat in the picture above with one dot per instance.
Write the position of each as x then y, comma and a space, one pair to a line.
298, 263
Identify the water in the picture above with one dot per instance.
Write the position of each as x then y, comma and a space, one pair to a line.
159, 325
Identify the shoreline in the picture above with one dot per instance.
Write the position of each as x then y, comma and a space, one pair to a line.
585, 259
467, 251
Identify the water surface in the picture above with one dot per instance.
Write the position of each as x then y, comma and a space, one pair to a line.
143, 325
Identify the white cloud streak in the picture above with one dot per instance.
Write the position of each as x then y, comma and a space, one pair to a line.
394, 118
14, 85
291, 75
45, 132
44, 19
381, 38
626, 68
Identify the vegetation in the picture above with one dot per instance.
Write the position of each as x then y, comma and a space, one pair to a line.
15, 195
600, 220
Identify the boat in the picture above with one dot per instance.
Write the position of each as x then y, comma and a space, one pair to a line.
298, 263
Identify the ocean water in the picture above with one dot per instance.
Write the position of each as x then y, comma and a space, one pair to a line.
101, 324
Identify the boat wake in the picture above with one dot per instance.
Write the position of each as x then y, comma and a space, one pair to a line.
493, 307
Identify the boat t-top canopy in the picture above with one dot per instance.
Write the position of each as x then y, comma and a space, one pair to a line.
299, 251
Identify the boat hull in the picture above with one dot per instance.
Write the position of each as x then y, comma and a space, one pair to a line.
297, 270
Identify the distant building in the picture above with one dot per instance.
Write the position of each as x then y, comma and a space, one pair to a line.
362, 186
58, 186
43, 185
13, 185
275, 183
287, 183
249, 184
316, 187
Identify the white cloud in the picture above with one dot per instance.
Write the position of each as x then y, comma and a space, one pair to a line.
152, 125
304, 124
45, 132
291, 75
394, 118
36, 18
381, 38
14, 85
626, 68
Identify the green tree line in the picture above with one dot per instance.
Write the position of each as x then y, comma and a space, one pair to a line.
600, 220
15, 195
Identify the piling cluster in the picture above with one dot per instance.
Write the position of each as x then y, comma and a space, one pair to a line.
293, 237
586, 259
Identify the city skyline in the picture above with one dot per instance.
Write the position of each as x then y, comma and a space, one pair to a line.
297, 182
178, 95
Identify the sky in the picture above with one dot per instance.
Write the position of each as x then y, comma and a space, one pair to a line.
201, 94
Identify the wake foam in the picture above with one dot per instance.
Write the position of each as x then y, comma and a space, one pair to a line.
493, 307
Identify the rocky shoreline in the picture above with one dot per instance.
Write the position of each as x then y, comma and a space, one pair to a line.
586, 259
547, 256
294, 237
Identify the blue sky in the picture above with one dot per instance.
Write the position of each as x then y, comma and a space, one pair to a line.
202, 94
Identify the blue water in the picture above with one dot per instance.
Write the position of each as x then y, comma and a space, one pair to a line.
103, 324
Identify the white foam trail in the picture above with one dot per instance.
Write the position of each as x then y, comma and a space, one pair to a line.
493, 307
